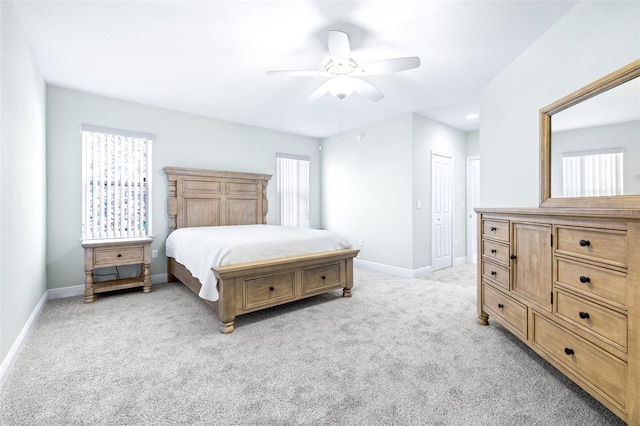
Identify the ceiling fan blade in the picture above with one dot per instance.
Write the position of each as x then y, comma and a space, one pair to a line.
318, 93
365, 89
299, 73
339, 47
387, 66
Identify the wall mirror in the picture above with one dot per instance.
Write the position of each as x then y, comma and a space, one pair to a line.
590, 145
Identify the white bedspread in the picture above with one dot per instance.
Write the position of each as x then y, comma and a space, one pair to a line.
201, 248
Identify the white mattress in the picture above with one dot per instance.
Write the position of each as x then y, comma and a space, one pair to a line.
201, 248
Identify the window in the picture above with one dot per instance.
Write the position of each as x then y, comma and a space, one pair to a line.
116, 187
293, 190
592, 173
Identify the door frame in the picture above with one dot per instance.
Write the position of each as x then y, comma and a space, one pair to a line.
472, 221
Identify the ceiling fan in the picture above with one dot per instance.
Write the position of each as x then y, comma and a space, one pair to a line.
343, 72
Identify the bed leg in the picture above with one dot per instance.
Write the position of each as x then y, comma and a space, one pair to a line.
227, 327
346, 291
226, 305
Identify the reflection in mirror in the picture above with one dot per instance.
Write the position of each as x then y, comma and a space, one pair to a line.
595, 149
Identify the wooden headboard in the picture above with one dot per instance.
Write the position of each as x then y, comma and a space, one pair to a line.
199, 197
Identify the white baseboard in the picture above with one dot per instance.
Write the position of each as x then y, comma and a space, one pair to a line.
78, 290
12, 356
402, 272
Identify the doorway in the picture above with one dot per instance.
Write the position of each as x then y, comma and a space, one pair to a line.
441, 214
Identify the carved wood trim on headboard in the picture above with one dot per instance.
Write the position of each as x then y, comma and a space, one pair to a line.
199, 197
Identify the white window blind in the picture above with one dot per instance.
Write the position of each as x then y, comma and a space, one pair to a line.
116, 184
293, 190
592, 173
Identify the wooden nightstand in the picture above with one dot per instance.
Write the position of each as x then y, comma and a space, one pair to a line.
116, 252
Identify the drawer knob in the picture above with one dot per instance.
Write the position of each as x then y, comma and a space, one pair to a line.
494, 229
119, 255
584, 315
493, 251
271, 289
584, 279
585, 243
569, 351
494, 273
500, 306
324, 278
512, 257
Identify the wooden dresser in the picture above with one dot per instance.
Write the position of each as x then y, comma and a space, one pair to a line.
566, 281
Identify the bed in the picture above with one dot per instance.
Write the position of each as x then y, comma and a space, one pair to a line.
199, 198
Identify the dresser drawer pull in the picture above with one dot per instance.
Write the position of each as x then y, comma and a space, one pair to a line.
494, 273
119, 255
500, 306
569, 351
271, 289
585, 243
323, 277
494, 251
494, 229
584, 315
584, 279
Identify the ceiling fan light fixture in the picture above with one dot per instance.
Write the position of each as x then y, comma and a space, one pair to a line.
340, 86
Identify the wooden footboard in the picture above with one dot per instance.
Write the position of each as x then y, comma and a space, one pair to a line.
252, 286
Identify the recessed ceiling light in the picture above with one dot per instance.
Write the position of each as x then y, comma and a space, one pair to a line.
471, 116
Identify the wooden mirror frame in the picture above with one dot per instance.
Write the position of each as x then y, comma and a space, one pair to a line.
607, 82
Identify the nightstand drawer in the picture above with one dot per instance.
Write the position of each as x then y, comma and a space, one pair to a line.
118, 256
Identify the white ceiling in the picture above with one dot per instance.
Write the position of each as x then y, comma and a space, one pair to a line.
210, 57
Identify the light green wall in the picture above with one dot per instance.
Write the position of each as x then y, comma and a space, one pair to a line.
22, 179
184, 140
429, 137
366, 190
590, 41
370, 187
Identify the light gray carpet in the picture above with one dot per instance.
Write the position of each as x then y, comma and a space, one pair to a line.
399, 352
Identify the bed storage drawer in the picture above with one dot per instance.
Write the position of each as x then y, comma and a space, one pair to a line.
319, 279
602, 371
269, 289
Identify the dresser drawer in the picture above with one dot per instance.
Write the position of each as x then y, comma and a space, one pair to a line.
610, 325
269, 289
600, 369
595, 244
495, 272
498, 229
117, 256
511, 313
319, 279
496, 251
601, 283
